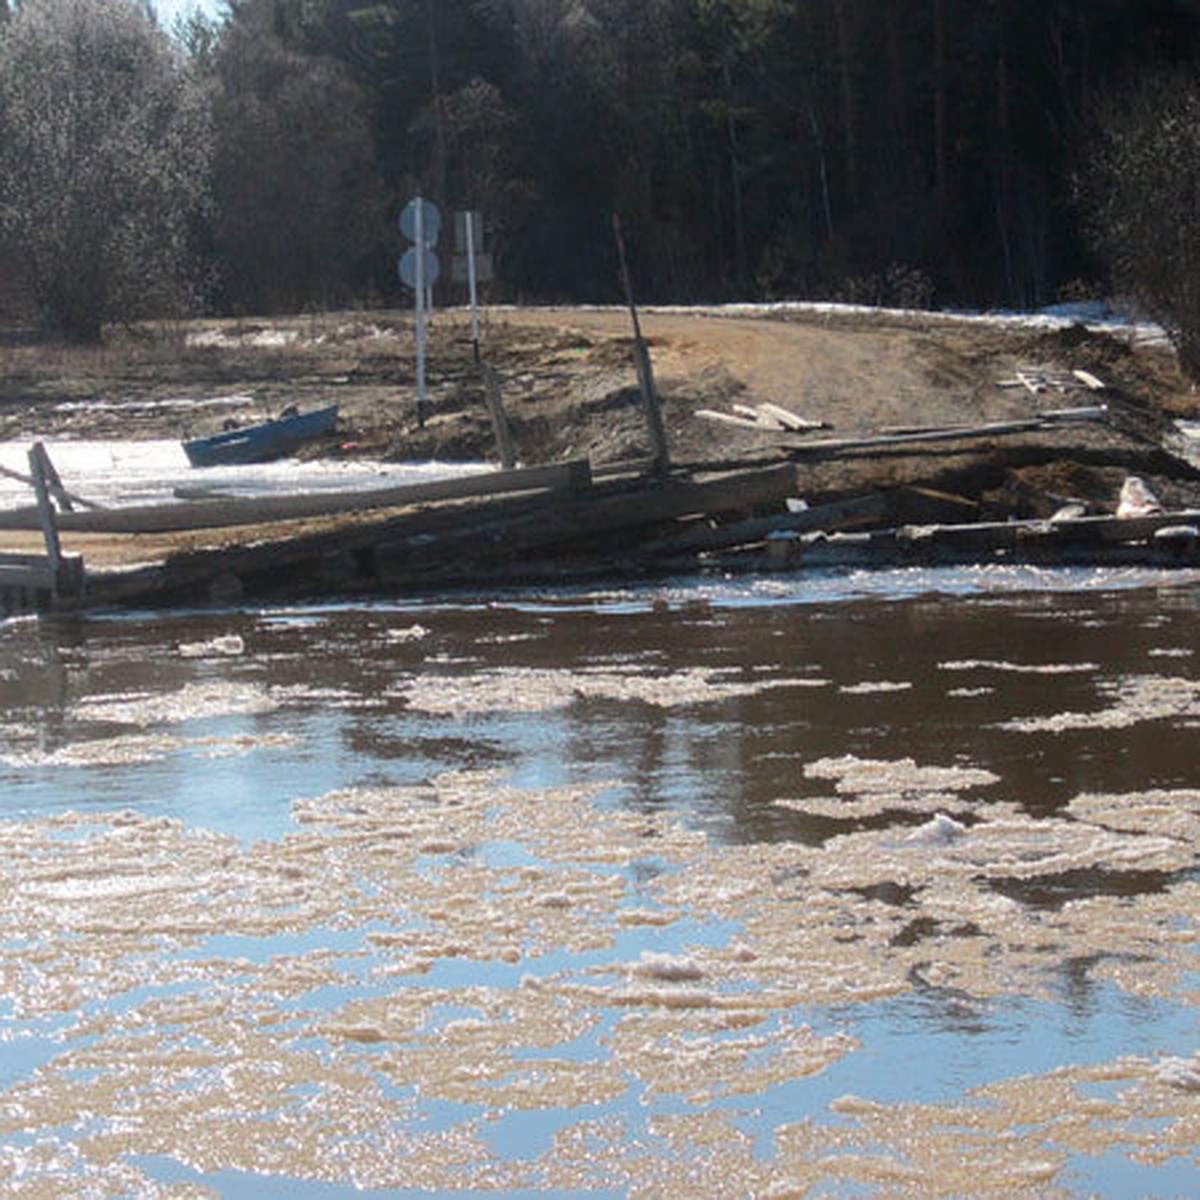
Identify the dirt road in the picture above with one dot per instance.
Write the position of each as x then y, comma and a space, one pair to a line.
568, 380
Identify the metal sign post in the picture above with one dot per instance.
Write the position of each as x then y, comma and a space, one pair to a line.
421, 223
471, 283
471, 263
419, 285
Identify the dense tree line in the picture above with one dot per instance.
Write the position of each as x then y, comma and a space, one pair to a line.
900, 151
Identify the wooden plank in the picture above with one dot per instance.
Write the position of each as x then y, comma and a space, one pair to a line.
954, 433
840, 515
710, 414
34, 576
464, 542
1090, 381
1088, 541
223, 513
1092, 412
1047, 538
789, 419
753, 414
34, 573
880, 441
607, 530
909, 505
1031, 382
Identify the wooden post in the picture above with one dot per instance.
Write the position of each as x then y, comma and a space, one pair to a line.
654, 422
68, 500
53, 482
37, 468
500, 426
40, 468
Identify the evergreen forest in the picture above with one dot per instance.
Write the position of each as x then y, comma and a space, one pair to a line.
914, 152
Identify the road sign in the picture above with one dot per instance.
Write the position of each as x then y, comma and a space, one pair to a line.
460, 268
424, 213
468, 232
431, 267
421, 223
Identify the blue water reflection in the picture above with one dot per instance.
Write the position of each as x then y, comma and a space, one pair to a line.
941, 667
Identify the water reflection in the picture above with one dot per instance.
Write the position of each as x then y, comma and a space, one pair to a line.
905, 844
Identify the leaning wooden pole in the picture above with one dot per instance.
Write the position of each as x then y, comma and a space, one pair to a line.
650, 404
40, 471
500, 425
66, 574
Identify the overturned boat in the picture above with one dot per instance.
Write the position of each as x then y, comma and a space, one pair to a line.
263, 442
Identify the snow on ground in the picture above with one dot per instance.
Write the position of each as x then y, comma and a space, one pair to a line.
116, 473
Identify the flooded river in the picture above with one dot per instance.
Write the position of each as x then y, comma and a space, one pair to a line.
804, 886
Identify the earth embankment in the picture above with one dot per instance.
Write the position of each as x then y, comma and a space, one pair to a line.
569, 389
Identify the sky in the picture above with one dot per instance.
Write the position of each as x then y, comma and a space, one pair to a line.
170, 10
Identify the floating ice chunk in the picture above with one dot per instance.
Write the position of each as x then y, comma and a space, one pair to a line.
1136, 699
865, 776
659, 997
228, 645
867, 688
942, 830
667, 968
983, 664
1183, 1073
410, 633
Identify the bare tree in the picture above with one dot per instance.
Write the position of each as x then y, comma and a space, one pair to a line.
1140, 188
104, 152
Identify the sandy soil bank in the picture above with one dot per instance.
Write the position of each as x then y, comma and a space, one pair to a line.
569, 388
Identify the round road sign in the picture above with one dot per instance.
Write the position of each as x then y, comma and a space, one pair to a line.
431, 267
431, 221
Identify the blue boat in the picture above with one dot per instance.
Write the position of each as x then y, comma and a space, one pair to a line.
261, 443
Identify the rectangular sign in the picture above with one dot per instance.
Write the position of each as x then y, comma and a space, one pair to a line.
485, 269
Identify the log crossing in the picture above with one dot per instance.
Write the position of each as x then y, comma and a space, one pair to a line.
546, 524
555, 522
1161, 540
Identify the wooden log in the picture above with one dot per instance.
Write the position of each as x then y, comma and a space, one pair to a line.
41, 582
751, 423
789, 419
31, 571
840, 515
1091, 412
1031, 382
919, 505
654, 422
499, 418
645, 372
568, 477
465, 540
580, 524
945, 434
752, 414
1084, 541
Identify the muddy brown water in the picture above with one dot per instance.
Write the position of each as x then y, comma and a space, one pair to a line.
836, 885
